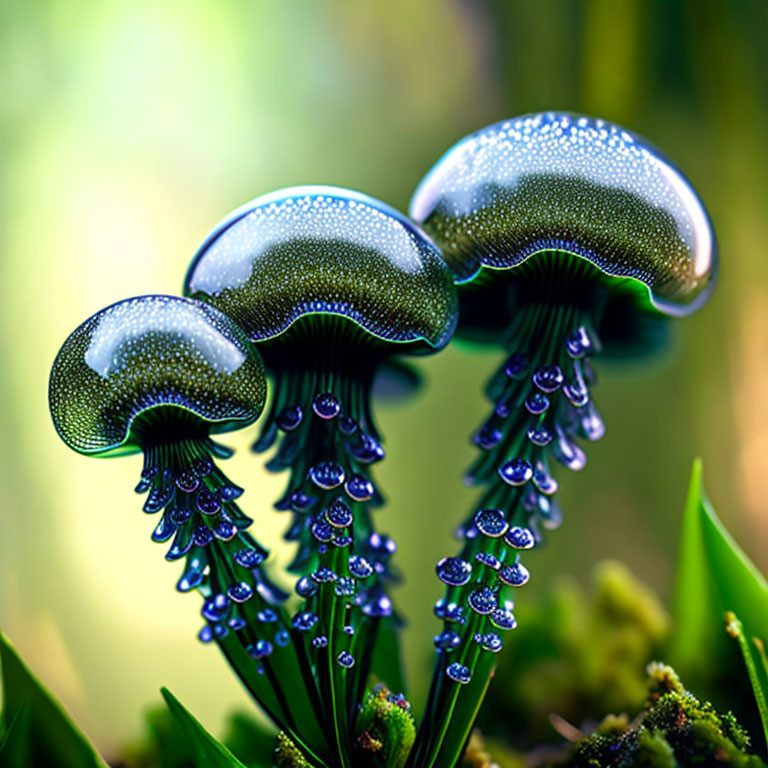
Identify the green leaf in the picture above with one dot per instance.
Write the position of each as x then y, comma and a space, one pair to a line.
205, 750
714, 576
36, 728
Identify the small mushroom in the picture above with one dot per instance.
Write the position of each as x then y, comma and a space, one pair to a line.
565, 235
160, 375
329, 285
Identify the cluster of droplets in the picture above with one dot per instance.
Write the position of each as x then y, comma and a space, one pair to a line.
342, 560
476, 607
223, 561
541, 407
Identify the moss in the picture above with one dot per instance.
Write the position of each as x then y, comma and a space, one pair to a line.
674, 730
385, 729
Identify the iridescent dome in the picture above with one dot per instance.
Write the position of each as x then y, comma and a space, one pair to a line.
563, 182
324, 250
147, 352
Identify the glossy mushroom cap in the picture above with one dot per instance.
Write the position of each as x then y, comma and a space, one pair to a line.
563, 182
147, 352
324, 250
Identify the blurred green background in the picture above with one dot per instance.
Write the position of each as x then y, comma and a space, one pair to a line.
128, 128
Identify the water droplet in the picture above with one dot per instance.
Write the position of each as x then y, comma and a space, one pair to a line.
205, 635
240, 592
249, 558
520, 538
266, 616
544, 481
323, 575
206, 502
289, 418
187, 481
202, 536
226, 530
327, 475
568, 453
503, 619
458, 673
164, 529
305, 587
516, 471
487, 437
449, 611
514, 575
282, 638
359, 488
368, 451
540, 436
454, 571
576, 393
491, 523
326, 406
260, 650
322, 531
548, 378
489, 560
359, 567
215, 608
490, 642
237, 623
230, 492
300, 502
180, 515
304, 621
516, 366
346, 659
347, 425
321, 641
447, 641
483, 601
342, 540
349, 630
592, 426
378, 607
579, 343
338, 514
345, 587
536, 403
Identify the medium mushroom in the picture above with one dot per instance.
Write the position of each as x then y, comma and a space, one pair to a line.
567, 236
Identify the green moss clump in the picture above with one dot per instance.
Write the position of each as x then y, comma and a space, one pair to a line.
675, 730
385, 729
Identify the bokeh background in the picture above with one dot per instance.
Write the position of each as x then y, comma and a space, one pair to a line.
129, 127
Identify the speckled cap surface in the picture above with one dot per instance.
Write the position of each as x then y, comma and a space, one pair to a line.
559, 181
146, 352
325, 250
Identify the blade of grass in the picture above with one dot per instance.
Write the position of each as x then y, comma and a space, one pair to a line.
205, 750
52, 738
735, 629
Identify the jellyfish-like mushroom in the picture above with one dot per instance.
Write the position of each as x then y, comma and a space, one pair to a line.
329, 284
160, 375
566, 235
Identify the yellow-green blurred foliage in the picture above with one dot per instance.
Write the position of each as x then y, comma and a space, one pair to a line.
128, 127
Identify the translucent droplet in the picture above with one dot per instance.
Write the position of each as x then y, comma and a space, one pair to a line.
282, 638
206, 502
205, 635
305, 587
266, 616
368, 451
548, 378
215, 608
489, 560
544, 481
540, 436
491, 522
379, 607
321, 641
449, 611
359, 567
592, 426
516, 366
347, 425
537, 403
187, 481
289, 418
327, 475
483, 601
249, 558
226, 530
458, 673
503, 619
203, 536
359, 488
520, 538
240, 592
447, 641
346, 659
516, 472
323, 575
322, 531
164, 529
568, 453
260, 649
487, 437
326, 405
514, 575
345, 587
454, 571
304, 621
338, 514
